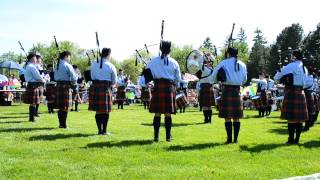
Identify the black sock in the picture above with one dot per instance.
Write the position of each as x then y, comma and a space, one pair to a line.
291, 131
145, 105
36, 113
105, 120
98, 123
205, 115
209, 115
168, 125
118, 105
156, 127
60, 118
228, 126
31, 113
298, 128
76, 106
184, 109
236, 128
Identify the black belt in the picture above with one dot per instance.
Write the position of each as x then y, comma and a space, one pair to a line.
235, 86
205, 85
64, 82
163, 80
35, 83
295, 87
101, 81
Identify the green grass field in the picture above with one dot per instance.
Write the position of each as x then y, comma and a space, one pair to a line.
42, 151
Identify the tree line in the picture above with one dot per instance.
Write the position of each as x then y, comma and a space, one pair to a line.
262, 57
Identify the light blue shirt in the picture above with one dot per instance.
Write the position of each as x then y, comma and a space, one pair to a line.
108, 71
296, 68
262, 83
32, 74
65, 72
309, 83
270, 85
142, 81
121, 80
236, 78
162, 70
206, 77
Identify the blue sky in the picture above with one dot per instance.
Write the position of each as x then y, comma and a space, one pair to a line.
126, 25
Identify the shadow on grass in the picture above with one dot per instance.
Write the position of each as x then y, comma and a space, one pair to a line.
16, 113
11, 122
267, 147
23, 129
12, 117
274, 117
280, 122
126, 143
261, 147
175, 124
251, 116
52, 137
278, 131
194, 147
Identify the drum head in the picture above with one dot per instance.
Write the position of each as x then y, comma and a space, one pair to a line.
194, 61
255, 97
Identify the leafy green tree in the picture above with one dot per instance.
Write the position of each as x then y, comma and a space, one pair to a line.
180, 55
280, 52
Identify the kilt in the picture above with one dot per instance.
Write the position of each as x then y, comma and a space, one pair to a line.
63, 98
32, 94
50, 92
100, 96
310, 103
230, 106
316, 102
145, 94
294, 106
121, 93
257, 103
206, 96
163, 98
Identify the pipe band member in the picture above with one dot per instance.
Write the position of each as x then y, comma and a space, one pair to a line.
165, 72
66, 78
104, 76
294, 106
32, 95
230, 106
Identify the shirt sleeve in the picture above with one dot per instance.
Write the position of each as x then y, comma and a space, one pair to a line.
36, 74
72, 73
215, 71
285, 70
113, 75
177, 74
245, 73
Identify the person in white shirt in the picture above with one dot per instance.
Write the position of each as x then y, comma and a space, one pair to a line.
308, 90
294, 106
121, 89
104, 76
230, 107
261, 103
166, 75
270, 88
145, 90
35, 81
206, 94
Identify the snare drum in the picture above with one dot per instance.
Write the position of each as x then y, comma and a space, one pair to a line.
256, 100
181, 100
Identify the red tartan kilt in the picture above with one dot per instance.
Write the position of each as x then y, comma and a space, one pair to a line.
310, 103
121, 93
206, 96
63, 99
50, 92
32, 95
100, 97
163, 98
230, 106
145, 94
316, 102
294, 106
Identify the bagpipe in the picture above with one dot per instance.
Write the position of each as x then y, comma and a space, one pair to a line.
140, 59
87, 73
196, 61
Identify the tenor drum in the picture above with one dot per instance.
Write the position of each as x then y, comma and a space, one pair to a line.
181, 100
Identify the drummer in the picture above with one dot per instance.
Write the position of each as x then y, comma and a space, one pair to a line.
50, 89
183, 86
206, 99
145, 90
270, 89
261, 91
